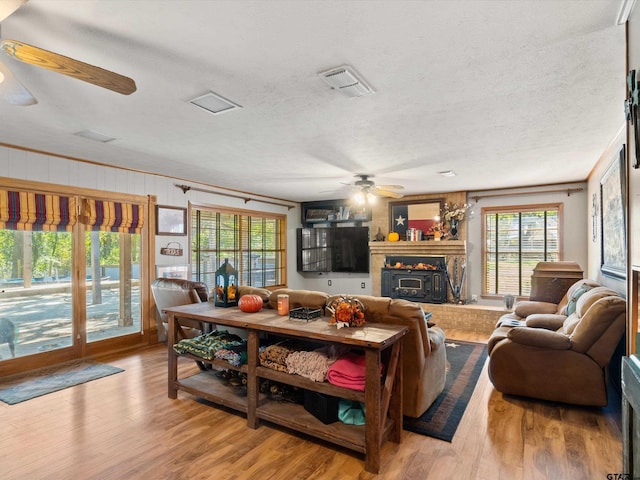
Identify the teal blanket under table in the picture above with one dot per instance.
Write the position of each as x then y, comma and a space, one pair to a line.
206, 346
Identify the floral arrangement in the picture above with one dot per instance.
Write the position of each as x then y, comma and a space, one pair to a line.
346, 311
455, 212
437, 230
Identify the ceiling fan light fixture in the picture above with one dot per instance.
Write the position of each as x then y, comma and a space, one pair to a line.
213, 103
364, 197
345, 80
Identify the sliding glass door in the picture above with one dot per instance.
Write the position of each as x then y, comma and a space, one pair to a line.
35, 292
70, 276
113, 285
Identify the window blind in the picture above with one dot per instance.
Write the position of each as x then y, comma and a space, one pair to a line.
515, 241
107, 216
36, 211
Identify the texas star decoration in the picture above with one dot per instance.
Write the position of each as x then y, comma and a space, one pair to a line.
400, 220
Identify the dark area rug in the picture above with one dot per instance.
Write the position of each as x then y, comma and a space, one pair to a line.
464, 364
18, 388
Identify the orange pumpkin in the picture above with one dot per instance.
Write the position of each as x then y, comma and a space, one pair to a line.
393, 236
250, 303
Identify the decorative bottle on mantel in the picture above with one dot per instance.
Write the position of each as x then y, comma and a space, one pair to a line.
454, 223
379, 236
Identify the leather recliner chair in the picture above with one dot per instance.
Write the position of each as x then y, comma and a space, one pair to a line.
173, 292
559, 352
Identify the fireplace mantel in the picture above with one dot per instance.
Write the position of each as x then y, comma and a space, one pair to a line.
427, 248
379, 250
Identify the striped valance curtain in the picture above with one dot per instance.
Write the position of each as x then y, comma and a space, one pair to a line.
36, 211
106, 216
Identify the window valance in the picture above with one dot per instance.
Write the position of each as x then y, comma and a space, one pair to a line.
36, 211
112, 216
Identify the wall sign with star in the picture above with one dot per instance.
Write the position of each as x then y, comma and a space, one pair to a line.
420, 215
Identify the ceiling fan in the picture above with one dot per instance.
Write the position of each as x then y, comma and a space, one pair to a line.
14, 93
367, 189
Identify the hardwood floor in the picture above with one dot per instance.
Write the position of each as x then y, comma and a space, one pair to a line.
125, 427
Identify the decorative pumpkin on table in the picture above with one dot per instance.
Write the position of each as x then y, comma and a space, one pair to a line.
250, 303
346, 311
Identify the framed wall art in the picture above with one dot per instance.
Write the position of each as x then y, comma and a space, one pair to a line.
613, 218
171, 220
172, 271
419, 214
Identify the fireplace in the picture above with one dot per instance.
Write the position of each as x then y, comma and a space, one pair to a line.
416, 278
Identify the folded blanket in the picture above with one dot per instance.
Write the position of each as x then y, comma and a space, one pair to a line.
314, 365
206, 346
275, 356
348, 371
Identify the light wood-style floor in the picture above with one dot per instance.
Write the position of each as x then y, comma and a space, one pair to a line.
125, 427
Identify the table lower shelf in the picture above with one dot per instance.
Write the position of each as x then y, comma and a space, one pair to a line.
295, 417
208, 385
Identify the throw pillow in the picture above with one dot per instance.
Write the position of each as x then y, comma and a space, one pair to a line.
571, 306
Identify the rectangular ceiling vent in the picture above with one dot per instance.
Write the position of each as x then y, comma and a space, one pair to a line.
214, 103
346, 81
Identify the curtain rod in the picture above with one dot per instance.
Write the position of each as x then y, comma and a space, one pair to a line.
569, 191
186, 188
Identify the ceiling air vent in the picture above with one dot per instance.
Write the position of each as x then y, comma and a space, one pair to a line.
345, 80
214, 103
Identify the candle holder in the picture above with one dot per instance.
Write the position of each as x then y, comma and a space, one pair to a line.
226, 285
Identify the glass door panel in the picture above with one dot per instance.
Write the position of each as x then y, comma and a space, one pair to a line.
113, 285
35, 292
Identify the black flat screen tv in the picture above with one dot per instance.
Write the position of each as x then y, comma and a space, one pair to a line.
337, 249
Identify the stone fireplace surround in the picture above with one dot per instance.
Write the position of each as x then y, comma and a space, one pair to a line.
476, 318
380, 221
380, 250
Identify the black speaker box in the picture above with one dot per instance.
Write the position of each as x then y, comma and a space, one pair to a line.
323, 407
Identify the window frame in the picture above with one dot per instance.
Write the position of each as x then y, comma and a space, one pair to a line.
517, 209
238, 250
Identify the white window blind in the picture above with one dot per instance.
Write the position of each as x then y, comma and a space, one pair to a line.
515, 240
253, 243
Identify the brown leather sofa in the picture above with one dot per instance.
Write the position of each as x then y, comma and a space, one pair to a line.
424, 353
559, 352
173, 292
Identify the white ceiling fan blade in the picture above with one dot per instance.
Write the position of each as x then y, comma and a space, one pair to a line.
12, 91
7, 7
391, 187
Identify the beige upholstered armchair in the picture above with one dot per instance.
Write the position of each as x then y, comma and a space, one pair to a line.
559, 352
173, 292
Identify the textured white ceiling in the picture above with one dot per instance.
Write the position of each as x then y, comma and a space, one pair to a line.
504, 93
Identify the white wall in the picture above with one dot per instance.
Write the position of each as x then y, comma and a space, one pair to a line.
349, 283
576, 233
611, 154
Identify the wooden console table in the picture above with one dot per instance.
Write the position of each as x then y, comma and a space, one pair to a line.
383, 401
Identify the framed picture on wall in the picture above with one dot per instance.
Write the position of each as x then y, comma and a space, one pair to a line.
171, 220
419, 214
613, 218
172, 271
